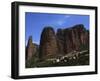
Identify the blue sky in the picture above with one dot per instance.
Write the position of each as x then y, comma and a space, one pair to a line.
35, 22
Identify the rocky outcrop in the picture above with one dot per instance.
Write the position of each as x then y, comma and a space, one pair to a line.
48, 43
60, 41
31, 49
71, 39
53, 45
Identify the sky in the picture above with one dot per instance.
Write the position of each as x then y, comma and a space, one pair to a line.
35, 22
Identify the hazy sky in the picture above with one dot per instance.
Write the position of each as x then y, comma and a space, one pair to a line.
35, 22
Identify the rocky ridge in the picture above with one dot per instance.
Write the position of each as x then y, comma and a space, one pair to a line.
54, 44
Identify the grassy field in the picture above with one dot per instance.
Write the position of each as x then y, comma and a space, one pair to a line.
76, 59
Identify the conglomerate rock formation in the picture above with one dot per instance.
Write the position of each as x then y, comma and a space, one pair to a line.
62, 42
31, 49
48, 43
73, 38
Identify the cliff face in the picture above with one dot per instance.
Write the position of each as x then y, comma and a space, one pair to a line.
75, 38
31, 49
48, 44
67, 40
60, 41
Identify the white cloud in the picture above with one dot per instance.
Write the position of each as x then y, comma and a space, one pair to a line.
36, 42
60, 22
67, 16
